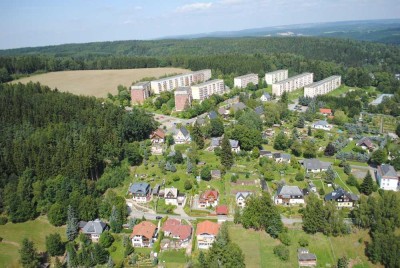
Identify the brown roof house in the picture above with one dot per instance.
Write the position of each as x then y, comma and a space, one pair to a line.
175, 229
206, 233
144, 234
208, 198
365, 143
157, 140
305, 258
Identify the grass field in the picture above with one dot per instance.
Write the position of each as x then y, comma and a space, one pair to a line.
96, 83
14, 233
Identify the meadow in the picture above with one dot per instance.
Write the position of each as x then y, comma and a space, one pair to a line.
97, 83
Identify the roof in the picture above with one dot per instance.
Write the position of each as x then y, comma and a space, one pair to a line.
387, 171
306, 257
177, 229
156, 188
207, 227
321, 123
216, 173
222, 210
243, 194
139, 188
81, 224
184, 131
239, 106
286, 190
209, 82
315, 164
222, 111
234, 143
182, 91
173, 191
94, 227
259, 110
212, 115
281, 155
246, 75
265, 152
338, 193
266, 95
140, 84
145, 228
157, 133
321, 82
277, 71
292, 78
325, 111
209, 193
366, 141
215, 142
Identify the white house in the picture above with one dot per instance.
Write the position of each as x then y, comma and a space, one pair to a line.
322, 124
265, 97
206, 234
171, 196
314, 165
387, 178
93, 229
140, 191
182, 136
234, 145
342, 198
144, 234
289, 195
241, 198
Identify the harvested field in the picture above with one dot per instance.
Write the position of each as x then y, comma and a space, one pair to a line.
96, 83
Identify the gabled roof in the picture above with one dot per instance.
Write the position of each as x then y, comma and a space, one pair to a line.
234, 143
210, 193
212, 115
177, 229
266, 95
139, 188
215, 173
184, 131
222, 111
315, 164
239, 106
265, 153
321, 123
243, 194
259, 110
171, 192
333, 196
215, 142
365, 141
281, 155
286, 190
157, 133
207, 227
325, 111
145, 228
94, 227
386, 170
222, 210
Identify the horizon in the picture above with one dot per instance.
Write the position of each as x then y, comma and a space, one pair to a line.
48, 23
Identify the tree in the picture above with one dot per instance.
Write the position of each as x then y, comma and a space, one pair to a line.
237, 216
56, 214
330, 175
189, 166
54, 245
352, 181
340, 118
197, 136
398, 130
255, 153
299, 176
309, 148
329, 150
296, 148
300, 123
284, 97
177, 158
100, 255
187, 185
72, 224
309, 132
281, 141
282, 252
115, 220
313, 215
132, 153
343, 262
202, 260
367, 186
28, 255
226, 153
110, 263
106, 239
216, 127
347, 168
379, 156
205, 173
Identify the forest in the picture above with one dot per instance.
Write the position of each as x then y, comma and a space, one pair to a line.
55, 146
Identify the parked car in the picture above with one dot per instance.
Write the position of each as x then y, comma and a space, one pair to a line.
158, 217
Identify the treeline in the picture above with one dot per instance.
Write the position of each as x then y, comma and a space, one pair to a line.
55, 146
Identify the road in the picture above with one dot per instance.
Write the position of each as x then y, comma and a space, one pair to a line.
170, 122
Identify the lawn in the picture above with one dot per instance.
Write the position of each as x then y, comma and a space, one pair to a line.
173, 258
14, 233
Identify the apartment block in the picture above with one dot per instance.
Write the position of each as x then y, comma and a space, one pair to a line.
183, 98
139, 92
322, 87
292, 83
181, 80
244, 80
276, 76
205, 90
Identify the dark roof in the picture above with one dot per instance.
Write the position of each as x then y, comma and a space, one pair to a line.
338, 193
215, 142
212, 115
387, 171
281, 155
315, 164
156, 189
266, 95
139, 188
239, 106
184, 131
265, 152
286, 190
366, 141
94, 227
259, 110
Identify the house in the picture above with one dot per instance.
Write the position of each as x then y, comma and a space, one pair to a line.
259, 110
215, 142
265, 153
144, 234
156, 190
212, 115
342, 198
93, 229
365, 143
265, 97
208, 198
140, 191
221, 210
175, 229
326, 112
234, 145
311, 187
222, 111
289, 195
238, 106
182, 136
171, 196
241, 198
314, 165
215, 174
387, 178
305, 258
157, 149
281, 158
157, 136
322, 124
270, 132
200, 120
206, 234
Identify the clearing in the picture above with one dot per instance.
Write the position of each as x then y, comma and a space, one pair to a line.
96, 83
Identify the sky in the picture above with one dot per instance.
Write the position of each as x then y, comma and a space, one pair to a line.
29, 23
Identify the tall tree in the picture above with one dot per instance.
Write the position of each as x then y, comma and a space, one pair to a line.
54, 245
226, 153
197, 136
329, 150
115, 220
313, 215
281, 141
367, 186
72, 224
28, 255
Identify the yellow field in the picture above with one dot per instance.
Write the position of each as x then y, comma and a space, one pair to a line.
96, 82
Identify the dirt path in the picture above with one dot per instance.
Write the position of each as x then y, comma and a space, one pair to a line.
10, 243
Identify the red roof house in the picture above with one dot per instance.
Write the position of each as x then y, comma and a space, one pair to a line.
222, 210
208, 198
325, 111
157, 136
175, 229
143, 234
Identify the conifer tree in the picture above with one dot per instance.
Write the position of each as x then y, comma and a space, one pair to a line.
72, 224
115, 221
226, 153
367, 186
197, 136
28, 255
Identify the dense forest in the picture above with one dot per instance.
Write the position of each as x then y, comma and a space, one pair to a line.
55, 146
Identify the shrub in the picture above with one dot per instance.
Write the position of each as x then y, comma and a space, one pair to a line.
282, 252
176, 178
285, 239
321, 191
106, 239
3, 220
1, 239
187, 185
299, 176
303, 242
113, 248
352, 181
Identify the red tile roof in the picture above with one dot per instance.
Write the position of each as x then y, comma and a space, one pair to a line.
207, 227
209, 194
177, 229
325, 111
158, 133
145, 228
222, 210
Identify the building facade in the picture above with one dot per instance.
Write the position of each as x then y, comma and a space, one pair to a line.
139, 92
244, 80
323, 87
183, 98
276, 76
292, 83
206, 234
205, 90
387, 178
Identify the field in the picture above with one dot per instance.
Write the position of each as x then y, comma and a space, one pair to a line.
13, 234
96, 83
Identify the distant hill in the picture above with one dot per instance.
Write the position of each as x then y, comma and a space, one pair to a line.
382, 31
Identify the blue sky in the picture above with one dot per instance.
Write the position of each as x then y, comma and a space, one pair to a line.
48, 22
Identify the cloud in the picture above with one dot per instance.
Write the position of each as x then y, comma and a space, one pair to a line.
194, 7
230, 2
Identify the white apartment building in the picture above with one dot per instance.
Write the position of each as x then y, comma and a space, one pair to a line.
244, 80
181, 80
322, 87
292, 83
205, 90
276, 76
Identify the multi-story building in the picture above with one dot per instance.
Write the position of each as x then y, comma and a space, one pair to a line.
244, 80
276, 76
144, 234
183, 98
181, 80
205, 90
322, 87
140, 191
206, 233
292, 83
387, 178
139, 92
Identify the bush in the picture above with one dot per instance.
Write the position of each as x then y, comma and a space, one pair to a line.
113, 248
285, 239
3, 220
321, 191
299, 177
303, 242
176, 178
352, 181
106, 239
1, 239
187, 185
282, 252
